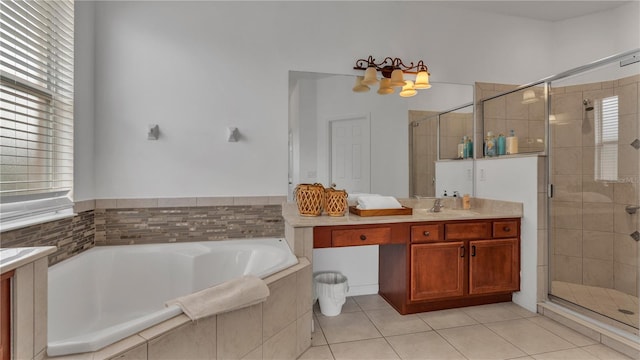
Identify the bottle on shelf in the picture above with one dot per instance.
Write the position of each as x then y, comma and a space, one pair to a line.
468, 148
461, 146
501, 144
490, 145
512, 143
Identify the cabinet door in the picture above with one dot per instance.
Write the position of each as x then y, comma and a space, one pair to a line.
437, 270
494, 266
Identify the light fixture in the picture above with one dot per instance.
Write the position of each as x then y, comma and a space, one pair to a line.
529, 97
393, 72
408, 90
385, 87
359, 86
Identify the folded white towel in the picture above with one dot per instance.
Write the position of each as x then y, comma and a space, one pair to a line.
378, 202
352, 199
231, 295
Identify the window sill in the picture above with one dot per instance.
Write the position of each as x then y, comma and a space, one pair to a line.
35, 220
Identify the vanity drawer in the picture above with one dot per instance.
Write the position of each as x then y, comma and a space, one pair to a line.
355, 237
425, 233
505, 229
463, 231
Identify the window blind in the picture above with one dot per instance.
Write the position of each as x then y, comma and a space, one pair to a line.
36, 100
606, 139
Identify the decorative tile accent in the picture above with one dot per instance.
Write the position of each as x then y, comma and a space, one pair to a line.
181, 224
71, 235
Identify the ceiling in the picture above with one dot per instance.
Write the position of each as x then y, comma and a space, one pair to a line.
551, 10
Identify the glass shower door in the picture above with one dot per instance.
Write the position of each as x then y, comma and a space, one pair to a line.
594, 167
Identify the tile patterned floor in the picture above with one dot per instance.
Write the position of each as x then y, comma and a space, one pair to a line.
369, 328
601, 300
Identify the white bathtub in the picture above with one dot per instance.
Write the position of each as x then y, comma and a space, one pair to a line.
110, 292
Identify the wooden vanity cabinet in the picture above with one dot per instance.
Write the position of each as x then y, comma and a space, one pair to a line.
437, 265
466, 263
437, 270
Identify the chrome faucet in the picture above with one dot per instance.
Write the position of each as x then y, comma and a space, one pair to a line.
437, 205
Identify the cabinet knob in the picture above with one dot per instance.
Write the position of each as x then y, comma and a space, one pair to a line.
363, 237
506, 229
426, 233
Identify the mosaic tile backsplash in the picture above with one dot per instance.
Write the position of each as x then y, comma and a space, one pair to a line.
181, 224
148, 225
72, 236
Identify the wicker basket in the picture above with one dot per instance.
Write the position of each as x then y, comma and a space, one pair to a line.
310, 199
336, 202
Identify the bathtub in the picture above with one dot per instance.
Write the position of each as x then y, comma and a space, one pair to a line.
110, 292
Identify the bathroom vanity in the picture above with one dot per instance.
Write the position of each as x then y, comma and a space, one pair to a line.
431, 261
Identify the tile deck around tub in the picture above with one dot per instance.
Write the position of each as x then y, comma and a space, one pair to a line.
366, 329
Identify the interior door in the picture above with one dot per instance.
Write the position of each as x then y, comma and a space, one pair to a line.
351, 154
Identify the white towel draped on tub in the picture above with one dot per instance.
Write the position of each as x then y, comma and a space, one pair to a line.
378, 202
228, 296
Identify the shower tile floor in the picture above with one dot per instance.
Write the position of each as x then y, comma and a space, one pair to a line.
369, 328
601, 300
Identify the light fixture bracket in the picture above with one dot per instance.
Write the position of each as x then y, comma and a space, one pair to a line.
389, 64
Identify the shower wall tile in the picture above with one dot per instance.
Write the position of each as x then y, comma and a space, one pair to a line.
568, 268
596, 191
567, 134
588, 162
627, 128
627, 99
627, 161
568, 161
623, 222
626, 193
568, 242
568, 188
626, 278
625, 250
567, 105
597, 245
597, 216
567, 215
515, 109
597, 272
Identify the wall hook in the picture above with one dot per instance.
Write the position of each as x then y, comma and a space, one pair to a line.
636, 144
154, 132
232, 134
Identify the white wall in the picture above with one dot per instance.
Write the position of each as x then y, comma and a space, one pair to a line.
188, 67
516, 179
83, 159
585, 39
196, 67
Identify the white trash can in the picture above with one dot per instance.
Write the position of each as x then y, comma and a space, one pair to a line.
331, 290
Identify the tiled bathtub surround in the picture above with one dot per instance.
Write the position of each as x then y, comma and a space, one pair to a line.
70, 235
179, 224
137, 221
279, 328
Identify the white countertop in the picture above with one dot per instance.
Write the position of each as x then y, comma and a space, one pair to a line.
13, 258
480, 209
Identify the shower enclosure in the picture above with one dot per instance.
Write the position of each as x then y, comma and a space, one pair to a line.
594, 176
